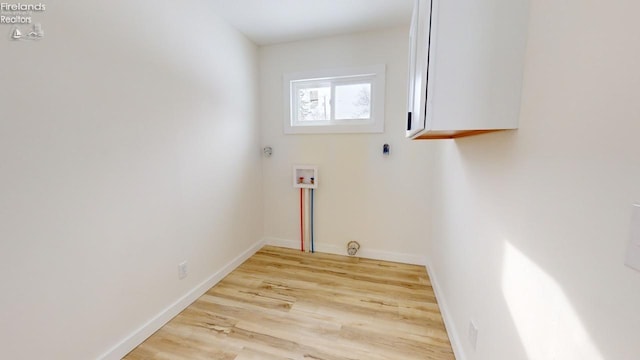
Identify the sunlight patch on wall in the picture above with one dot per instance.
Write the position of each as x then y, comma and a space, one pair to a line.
547, 324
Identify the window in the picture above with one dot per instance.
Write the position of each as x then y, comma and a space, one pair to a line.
335, 101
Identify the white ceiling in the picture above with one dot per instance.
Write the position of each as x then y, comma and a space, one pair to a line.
274, 21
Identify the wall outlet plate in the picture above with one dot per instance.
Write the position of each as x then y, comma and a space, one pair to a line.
632, 259
473, 334
182, 270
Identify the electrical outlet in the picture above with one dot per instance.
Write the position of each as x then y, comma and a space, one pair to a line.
473, 335
182, 270
633, 248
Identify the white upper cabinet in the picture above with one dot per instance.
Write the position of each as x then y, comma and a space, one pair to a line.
466, 64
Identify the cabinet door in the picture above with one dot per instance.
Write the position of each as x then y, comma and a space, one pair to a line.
419, 66
467, 63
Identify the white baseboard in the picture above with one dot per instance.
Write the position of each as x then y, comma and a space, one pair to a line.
137, 337
289, 244
363, 252
454, 335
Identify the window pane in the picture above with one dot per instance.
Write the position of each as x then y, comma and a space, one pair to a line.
314, 104
353, 101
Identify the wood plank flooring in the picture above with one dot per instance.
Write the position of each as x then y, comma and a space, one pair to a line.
285, 304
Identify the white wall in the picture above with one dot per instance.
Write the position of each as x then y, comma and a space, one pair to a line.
381, 202
532, 225
128, 142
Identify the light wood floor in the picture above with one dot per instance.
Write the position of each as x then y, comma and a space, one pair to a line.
285, 304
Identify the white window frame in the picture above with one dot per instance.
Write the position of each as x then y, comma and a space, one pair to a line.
375, 75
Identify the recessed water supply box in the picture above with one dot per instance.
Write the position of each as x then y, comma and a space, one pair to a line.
305, 176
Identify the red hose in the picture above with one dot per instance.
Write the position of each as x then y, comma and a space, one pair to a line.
301, 222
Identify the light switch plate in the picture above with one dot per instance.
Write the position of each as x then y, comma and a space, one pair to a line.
633, 248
